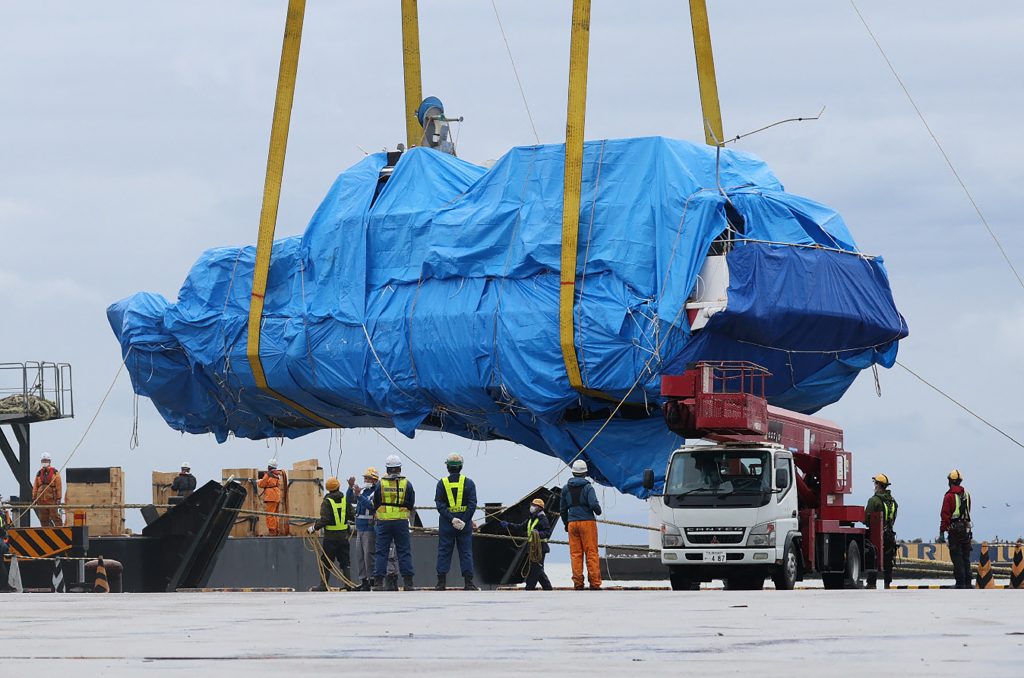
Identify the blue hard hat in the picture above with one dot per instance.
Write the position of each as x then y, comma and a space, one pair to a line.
428, 103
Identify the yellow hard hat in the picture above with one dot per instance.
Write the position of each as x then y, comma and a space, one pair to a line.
371, 473
538, 502
955, 475
882, 479
333, 484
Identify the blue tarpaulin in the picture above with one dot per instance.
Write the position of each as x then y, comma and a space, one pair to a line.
432, 303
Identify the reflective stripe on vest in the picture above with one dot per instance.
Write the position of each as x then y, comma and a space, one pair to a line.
889, 511
962, 506
455, 492
340, 509
531, 525
392, 496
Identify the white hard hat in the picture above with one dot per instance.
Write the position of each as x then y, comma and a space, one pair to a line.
45, 457
272, 463
393, 461
185, 464
453, 460
579, 466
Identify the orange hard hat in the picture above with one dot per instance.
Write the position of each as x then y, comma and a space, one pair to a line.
538, 502
333, 484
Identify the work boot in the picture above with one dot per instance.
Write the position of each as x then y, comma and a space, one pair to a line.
365, 585
377, 584
321, 588
407, 583
391, 582
470, 586
441, 582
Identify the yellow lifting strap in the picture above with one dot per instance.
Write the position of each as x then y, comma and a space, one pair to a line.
706, 73
411, 70
272, 198
574, 126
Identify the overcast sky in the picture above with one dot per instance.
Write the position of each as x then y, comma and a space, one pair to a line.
133, 136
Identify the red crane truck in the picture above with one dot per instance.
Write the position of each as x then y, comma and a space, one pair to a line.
765, 498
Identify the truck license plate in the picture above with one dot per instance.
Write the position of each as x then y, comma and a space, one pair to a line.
714, 556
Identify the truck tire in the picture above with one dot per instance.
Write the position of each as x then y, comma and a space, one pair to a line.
680, 582
744, 583
850, 577
854, 567
785, 576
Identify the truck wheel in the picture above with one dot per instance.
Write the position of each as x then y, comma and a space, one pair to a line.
680, 582
854, 568
785, 576
744, 583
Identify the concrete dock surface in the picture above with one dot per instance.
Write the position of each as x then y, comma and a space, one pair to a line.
504, 633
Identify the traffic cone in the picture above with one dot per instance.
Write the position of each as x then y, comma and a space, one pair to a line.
58, 576
1017, 568
101, 585
985, 569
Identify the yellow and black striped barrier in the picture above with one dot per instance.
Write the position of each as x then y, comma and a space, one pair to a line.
1017, 568
244, 589
101, 584
985, 569
39, 542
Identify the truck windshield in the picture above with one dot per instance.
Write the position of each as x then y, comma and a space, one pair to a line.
719, 478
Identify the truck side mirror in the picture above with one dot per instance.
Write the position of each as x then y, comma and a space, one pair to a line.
782, 478
648, 479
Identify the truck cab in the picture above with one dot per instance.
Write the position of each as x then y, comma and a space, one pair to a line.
730, 512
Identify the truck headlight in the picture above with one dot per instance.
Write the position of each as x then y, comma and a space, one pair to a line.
762, 535
671, 537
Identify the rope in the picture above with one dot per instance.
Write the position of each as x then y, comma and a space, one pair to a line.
29, 404
88, 428
313, 544
938, 145
961, 406
519, 82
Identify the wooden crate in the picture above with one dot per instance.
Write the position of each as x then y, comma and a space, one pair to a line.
162, 488
97, 486
305, 490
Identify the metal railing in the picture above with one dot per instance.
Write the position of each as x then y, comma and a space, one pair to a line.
36, 391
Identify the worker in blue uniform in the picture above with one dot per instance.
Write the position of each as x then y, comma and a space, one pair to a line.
393, 500
455, 498
539, 525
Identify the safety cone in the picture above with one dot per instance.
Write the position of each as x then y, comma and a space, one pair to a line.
58, 576
1017, 569
102, 585
985, 569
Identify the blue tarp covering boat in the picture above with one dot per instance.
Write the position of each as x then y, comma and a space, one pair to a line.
430, 301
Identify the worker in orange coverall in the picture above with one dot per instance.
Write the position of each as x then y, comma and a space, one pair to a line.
273, 485
46, 493
579, 509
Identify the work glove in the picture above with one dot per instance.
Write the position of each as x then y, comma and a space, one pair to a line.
312, 529
458, 524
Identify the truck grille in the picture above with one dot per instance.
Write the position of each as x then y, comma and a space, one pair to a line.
714, 535
715, 538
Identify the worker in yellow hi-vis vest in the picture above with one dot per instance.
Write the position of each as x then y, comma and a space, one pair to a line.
455, 499
335, 520
393, 500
